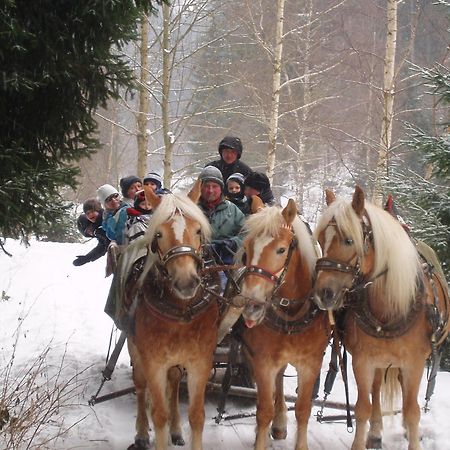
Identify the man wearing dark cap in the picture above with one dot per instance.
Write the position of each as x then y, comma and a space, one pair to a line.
225, 218
257, 183
230, 150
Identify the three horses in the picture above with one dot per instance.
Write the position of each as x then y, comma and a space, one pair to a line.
396, 309
395, 314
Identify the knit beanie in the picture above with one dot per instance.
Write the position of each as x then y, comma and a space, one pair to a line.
155, 178
126, 182
258, 181
232, 142
211, 173
103, 192
238, 178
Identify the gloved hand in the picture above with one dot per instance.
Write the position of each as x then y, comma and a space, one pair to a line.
80, 260
226, 245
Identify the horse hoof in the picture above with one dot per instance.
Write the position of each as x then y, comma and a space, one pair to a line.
140, 444
177, 439
279, 433
374, 442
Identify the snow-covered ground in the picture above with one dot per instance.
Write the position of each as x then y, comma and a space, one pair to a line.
47, 304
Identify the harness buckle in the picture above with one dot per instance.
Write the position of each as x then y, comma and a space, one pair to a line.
284, 302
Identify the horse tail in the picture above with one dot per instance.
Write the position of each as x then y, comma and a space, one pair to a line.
390, 389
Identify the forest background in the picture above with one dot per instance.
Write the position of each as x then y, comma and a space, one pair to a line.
323, 93
209, 70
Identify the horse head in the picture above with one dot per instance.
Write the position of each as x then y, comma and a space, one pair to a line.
176, 233
363, 247
269, 247
341, 235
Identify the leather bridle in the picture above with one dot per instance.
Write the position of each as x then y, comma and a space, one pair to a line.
272, 277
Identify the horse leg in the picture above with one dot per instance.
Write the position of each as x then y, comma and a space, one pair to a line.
198, 375
364, 377
374, 439
307, 376
157, 382
279, 423
142, 438
265, 383
411, 411
174, 378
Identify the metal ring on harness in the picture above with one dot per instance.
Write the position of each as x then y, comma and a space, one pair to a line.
181, 250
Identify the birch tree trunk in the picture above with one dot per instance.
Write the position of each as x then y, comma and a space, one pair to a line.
142, 114
276, 84
388, 102
304, 112
165, 105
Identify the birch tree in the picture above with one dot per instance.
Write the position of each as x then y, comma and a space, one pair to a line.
143, 110
276, 86
388, 101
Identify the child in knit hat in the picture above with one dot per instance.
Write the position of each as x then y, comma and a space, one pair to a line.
129, 186
235, 188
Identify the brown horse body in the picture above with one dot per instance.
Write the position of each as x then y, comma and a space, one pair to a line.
285, 326
372, 272
175, 324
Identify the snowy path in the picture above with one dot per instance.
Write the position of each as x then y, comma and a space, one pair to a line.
61, 307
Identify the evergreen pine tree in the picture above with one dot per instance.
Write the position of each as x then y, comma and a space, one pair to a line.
60, 61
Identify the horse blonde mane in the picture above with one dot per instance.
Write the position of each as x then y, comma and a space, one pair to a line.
170, 205
394, 251
269, 221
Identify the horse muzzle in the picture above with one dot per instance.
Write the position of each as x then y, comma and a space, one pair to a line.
253, 313
328, 299
186, 288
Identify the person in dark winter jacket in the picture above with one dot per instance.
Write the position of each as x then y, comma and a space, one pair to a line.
89, 225
235, 188
230, 150
129, 186
257, 183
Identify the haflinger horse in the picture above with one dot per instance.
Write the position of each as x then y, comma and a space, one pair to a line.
396, 309
283, 323
176, 321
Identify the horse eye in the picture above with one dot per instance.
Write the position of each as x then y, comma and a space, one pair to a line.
348, 241
158, 235
281, 250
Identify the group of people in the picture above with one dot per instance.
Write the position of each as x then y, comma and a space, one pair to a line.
228, 185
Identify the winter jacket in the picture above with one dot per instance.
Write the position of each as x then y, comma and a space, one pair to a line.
241, 202
136, 224
229, 169
226, 221
89, 229
114, 224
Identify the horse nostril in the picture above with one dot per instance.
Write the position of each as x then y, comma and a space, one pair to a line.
327, 295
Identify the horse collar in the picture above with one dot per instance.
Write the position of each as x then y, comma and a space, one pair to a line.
165, 309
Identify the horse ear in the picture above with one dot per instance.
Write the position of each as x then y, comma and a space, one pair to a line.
389, 206
289, 212
358, 201
151, 197
257, 204
329, 197
195, 192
